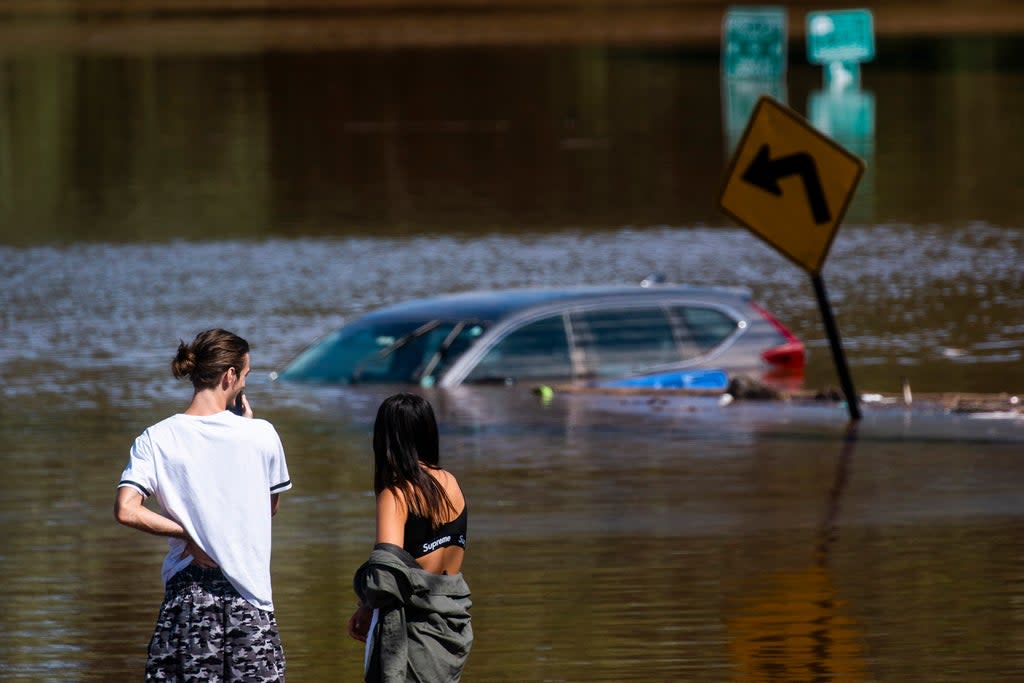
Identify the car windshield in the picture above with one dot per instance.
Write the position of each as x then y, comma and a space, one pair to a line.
405, 351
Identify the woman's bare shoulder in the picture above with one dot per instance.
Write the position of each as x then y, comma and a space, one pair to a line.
451, 487
392, 499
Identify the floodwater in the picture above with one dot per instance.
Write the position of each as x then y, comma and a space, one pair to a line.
146, 197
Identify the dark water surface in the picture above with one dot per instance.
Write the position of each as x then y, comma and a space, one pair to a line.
611, 539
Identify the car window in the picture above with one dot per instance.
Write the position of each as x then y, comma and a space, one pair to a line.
704, 328
461, 338
404, 362
355, 352
536, 350
623, 341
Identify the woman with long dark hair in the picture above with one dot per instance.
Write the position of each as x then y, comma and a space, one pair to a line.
414, 602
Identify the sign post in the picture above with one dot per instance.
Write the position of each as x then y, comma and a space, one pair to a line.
791, 185
838, 356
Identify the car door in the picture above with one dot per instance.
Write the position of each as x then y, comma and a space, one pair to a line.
622, 340
534, 350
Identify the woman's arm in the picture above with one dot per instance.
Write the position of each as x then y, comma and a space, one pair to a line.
391, 515
359, 623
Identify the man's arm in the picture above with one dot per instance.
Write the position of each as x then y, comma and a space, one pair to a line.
275, 503
129, 510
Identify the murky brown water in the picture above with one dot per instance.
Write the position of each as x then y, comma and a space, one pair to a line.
146, 198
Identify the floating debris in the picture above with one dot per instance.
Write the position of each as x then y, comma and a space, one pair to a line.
743, 388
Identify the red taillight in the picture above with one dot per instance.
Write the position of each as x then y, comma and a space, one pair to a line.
787, 355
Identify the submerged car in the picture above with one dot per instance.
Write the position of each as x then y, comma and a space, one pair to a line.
575, 335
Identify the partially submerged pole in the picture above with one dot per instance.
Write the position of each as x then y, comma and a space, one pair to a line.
845, 380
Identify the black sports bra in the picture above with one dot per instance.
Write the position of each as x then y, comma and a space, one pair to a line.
422, 538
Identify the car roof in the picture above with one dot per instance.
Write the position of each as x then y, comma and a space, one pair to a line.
492, 305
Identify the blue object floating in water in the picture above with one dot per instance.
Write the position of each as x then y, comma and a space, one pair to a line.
712, 380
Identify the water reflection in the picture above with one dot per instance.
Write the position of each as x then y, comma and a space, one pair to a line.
146, 147
739, 97
848, 117
793, 625
132, 148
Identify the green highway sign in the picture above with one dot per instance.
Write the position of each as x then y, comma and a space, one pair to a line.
840, 36
754, 43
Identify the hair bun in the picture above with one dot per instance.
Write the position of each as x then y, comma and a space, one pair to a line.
184, 361
209, 356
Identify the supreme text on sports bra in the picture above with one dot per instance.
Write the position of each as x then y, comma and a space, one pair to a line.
421, 538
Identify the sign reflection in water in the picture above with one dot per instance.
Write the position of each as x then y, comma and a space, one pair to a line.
793, 625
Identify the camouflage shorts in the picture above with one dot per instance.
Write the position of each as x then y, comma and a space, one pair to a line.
206, 631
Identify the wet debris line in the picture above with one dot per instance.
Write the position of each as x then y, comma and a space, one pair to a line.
748, 389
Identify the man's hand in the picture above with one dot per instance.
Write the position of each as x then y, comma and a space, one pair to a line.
248, 408
199, 556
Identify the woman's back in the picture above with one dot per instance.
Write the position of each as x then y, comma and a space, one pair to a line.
439, 550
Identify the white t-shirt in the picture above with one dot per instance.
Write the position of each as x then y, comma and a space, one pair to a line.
214, 475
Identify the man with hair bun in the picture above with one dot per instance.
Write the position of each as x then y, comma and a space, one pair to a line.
217, 476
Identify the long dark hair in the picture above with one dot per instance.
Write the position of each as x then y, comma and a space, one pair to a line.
209, 356
405, 435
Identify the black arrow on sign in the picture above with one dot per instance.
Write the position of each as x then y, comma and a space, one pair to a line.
765, 173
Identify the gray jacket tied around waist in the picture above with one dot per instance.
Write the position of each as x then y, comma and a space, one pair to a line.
423, 631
